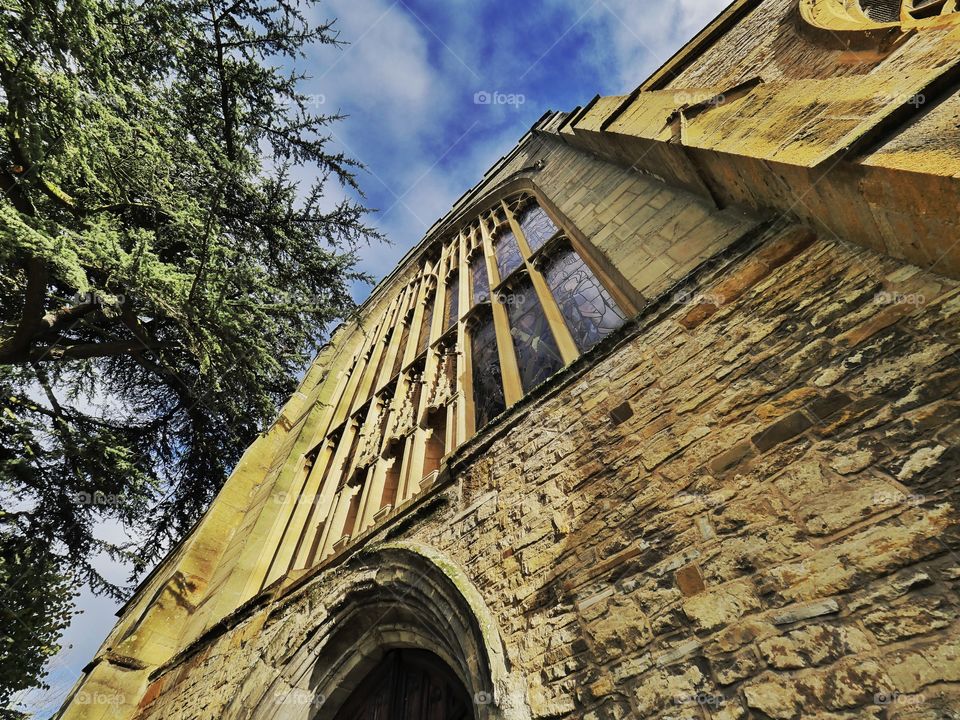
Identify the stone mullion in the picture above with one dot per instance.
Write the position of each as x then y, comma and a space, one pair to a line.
349, 431
290, 523
414, 475
376, 368
323, 506
416, 448
372, 413
393, 347
273, 555
450, 441
561, 333
334, 529
416, 321
367, 380
509, 369
365, 497
436, 330
305, 510
314, 549
362, 423
405, 461
623, 293
346, 401
411, 462
464, 402
377, 479
308, 501
281, 552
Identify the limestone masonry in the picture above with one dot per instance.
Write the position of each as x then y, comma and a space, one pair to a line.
661, 420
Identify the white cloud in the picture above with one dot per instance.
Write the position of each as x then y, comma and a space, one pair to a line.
643, 35
410, 100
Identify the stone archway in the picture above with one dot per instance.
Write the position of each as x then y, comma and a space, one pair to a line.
395, 596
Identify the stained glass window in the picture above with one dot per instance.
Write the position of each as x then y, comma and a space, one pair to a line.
453, 301
590, 312
537, 226
487, 381
537, 354
481, 283
425, 326
508, 253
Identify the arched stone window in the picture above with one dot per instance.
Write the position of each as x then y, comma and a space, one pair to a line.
491, 311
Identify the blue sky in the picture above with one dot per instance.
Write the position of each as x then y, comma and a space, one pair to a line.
408, 79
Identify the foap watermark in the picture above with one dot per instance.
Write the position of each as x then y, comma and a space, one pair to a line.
92, 297
885, 297
695, 97
482, 697
518, 299
709, 500
693, 297
495, 97
85, 697
897, 698
890, 498
703, 699
311, 100
98, 499
300, 697
915, 100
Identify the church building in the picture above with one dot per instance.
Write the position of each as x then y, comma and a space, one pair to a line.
660, 420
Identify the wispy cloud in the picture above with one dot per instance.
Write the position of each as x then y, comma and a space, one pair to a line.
409, 80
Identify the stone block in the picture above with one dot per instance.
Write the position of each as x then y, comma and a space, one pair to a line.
716, 607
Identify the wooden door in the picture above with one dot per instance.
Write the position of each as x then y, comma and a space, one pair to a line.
409, 685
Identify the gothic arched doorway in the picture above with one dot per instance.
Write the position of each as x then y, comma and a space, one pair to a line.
409, 685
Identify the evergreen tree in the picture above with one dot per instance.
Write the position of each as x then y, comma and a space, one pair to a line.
163, 275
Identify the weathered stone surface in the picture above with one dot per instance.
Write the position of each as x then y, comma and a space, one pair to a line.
717, 607
812, 645
745, 509
918, 616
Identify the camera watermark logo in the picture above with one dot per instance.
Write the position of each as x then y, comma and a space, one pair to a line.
483, 697
695, 97
97, 299
709, 500
692, 297
98, 499
885, 297
84, 697
890, 498
915, 100
495, 97
703, 699
300, 697
897, 698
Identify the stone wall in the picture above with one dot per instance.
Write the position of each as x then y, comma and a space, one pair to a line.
744, 506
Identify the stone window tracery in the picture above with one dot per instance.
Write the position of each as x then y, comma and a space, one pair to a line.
860, 16
487, 378
538, 356
508, 253
586, 305
480, 281
490, 313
